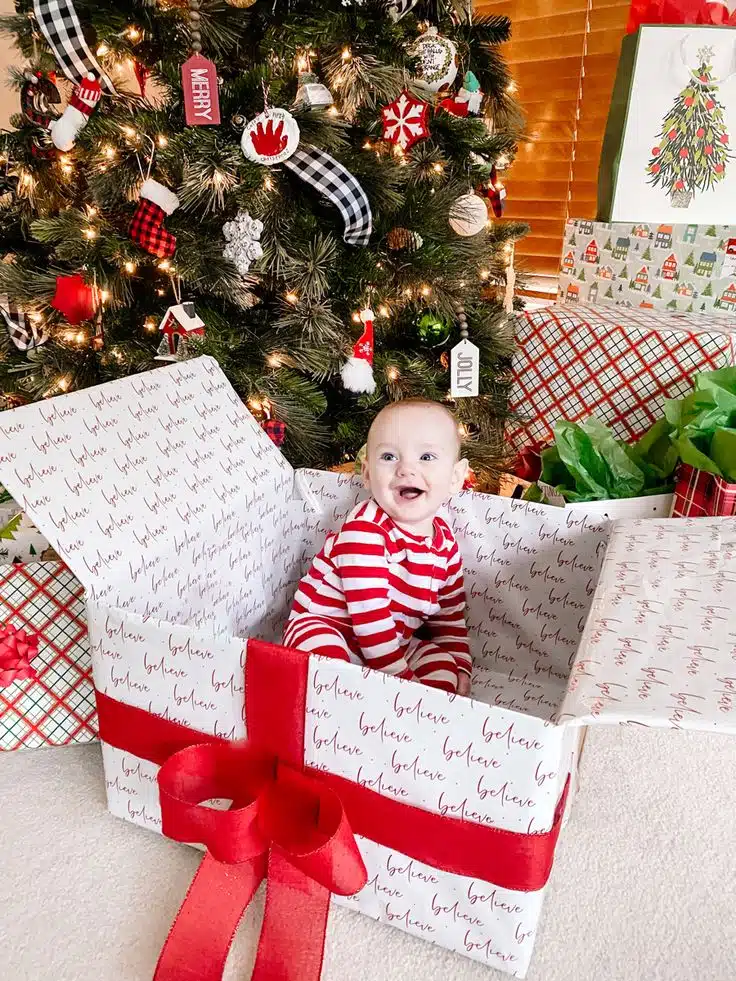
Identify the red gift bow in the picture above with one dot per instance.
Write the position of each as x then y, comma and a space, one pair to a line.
678, 12
197, 767
17, 650
528, 464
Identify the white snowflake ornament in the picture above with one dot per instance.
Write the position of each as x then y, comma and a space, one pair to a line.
243, 241
405, 120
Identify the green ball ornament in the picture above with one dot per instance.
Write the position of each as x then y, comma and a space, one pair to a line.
432, 330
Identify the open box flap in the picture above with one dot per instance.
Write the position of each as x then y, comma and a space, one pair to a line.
659, 646
148, 486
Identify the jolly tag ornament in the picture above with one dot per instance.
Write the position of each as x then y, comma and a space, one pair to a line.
201, 96
464, 370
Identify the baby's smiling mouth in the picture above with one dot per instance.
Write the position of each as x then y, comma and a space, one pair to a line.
409, 493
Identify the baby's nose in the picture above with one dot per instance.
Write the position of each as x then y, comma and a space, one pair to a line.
405, 468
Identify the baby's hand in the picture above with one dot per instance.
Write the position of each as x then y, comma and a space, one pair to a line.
463, 683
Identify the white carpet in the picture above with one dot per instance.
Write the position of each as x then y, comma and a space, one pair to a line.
644, 886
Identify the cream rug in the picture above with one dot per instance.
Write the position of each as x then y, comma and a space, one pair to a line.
644, 887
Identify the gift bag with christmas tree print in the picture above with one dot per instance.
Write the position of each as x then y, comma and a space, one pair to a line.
667, 153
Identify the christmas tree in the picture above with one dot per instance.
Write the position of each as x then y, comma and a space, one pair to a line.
364, 201
692, 148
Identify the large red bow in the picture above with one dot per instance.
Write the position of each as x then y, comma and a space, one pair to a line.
283, 824
288, 824
704, 12
17, 650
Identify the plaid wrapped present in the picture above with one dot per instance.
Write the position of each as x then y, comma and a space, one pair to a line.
57, 707
614, 363
699, 494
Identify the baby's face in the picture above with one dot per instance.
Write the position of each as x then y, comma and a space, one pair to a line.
411, 466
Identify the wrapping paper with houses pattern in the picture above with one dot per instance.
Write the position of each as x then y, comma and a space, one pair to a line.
169, 639
690, 268
619, 365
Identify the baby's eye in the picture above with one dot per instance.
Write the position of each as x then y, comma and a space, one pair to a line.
388, 457
427, 456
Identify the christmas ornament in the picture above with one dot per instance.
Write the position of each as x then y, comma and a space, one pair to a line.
464, 361
471, 481
60, 25
24, 333
65, 130
276, 431
467, 101
396, 9
37, 95
147, 225
432, 330
494, 192
17, 650
437, 60
312, 92
243, 236
330, 179
357, 372
142, 74
179, 323
201, 94
74, 299
405, 120
468, 215
271, 138
402, 238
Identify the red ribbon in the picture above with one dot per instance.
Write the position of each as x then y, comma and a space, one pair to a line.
17, 650
291, 824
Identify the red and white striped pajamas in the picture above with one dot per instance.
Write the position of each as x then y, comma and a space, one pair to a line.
369, 591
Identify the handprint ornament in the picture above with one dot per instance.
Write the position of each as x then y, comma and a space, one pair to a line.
271, 138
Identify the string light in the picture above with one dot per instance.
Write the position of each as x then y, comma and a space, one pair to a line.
133, 33
511, 87
383, 310
367, 145
27, 180
438, 168
275, 360
219, 179
160, 292
255, 404
130, 267
268, 183
426, 290
161, 140
407, 291
164, 265
333, 111
110, 152
90, 233
102, 50
347, 54
392, 374
104, 296
66, 168
291, 297
63, 383
149, 324
129, 131
81, 337
484, 274
91, 210
356, 318
36, 318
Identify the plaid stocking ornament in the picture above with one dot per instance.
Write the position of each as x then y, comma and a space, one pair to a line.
23, 332
147, 225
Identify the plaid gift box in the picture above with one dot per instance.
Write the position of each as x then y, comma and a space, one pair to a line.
616, 364
58, 707
699, 494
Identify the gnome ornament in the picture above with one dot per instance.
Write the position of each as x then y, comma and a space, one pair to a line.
468, 100
147, 224
357, 372
65, 130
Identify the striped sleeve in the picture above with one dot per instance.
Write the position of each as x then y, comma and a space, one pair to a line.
360, 555
447, 627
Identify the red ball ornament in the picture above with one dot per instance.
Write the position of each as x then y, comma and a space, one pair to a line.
276, 431
689, 101
724, 138
672, 134
700, 131
710, 104
74, 299
684, 152
656, 151
708, 150
703, 78
679, 186
655, 168
719, 168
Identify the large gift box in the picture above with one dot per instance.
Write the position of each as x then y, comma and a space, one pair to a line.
657, 266
616, 364
46, 691
429, 812
666, 153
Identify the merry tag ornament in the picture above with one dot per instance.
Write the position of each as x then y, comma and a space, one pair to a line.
201, 95
437, 60
271, 138
464, 370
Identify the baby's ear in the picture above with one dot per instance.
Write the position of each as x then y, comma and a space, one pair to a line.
459, 473
365, 475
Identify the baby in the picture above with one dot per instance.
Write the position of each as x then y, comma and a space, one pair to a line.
394, 566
